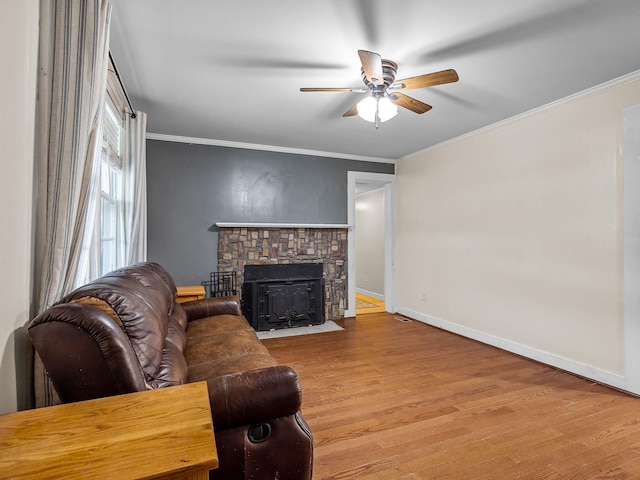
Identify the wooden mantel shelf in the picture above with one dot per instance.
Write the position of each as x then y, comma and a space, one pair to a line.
161, 434
280, 225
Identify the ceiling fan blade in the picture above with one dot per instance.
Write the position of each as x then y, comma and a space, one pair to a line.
410, 103
372, 66
351, 112
427, 80
331, 89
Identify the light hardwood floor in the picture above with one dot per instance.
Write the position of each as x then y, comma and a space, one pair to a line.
389, 400
366, 305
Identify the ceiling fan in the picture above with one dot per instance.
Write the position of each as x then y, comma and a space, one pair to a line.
383, 90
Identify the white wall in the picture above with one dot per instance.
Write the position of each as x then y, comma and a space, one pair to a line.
370, 243
515, 234
18, 56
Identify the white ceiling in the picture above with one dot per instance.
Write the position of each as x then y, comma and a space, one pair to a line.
230, 71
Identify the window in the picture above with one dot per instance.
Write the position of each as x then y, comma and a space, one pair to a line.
118, 176
108, 245
111, 193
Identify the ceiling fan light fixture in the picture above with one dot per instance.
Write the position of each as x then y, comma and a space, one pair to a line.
370, 107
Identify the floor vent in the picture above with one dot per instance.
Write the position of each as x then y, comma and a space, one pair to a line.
403, 319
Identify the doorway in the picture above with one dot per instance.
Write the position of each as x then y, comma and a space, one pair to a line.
369, 233
355, 182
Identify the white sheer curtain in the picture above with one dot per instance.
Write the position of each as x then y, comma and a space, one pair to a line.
135, 171
74, 39
72, 85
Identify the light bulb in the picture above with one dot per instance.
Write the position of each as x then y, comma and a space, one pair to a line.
367, 109
386, 109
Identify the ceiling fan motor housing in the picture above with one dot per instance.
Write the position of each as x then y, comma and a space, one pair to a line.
389, 70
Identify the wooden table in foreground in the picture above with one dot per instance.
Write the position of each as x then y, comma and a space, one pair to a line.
160, 434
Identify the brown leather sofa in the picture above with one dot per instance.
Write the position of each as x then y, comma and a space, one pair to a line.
125, 333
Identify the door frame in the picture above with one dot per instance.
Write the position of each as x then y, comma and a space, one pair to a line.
388, 181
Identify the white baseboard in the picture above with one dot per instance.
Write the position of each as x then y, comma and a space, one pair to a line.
597, 375
375, 295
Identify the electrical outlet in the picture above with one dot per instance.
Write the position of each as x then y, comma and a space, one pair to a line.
424, 296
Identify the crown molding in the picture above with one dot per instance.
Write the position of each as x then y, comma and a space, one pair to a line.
267, 148
611, 83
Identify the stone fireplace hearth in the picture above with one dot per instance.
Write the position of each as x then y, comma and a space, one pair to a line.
240, 245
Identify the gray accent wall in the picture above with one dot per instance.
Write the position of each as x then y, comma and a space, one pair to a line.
190, 187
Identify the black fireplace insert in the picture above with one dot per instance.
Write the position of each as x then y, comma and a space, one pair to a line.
278, 296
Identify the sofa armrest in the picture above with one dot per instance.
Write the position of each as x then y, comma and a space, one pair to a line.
254, 396
208, 307
86, 354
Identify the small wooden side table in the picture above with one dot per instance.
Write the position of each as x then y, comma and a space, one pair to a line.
189, 292
160, 434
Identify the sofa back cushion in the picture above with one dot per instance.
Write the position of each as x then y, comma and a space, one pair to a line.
151, 275
173, 368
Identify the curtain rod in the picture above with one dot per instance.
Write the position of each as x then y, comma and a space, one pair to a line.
124, 90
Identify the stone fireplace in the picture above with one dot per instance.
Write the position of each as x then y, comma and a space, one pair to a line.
251, 244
